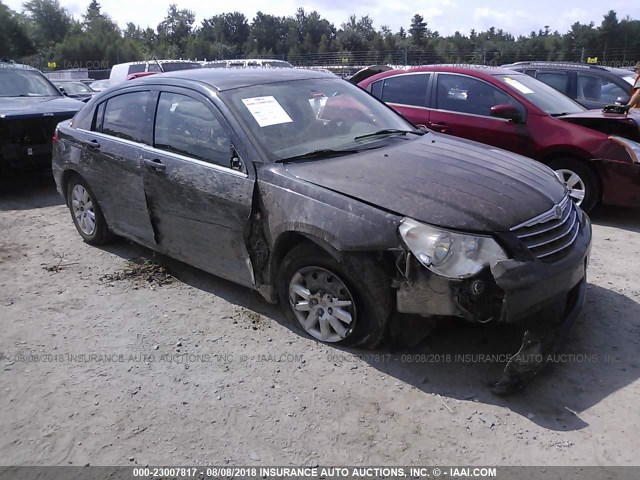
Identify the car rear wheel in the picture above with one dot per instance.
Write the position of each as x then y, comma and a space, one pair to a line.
86, 213
580, 181
331, 301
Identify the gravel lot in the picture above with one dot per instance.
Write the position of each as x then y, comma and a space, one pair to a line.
93, 366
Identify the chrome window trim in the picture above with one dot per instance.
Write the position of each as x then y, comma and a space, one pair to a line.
178, 156
149, 148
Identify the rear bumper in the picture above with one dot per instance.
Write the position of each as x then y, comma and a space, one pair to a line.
512, 291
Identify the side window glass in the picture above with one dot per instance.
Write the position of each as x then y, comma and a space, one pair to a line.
598, 89
376, 89
136, 68
126, 116
406, 89
557, 80
459, 93
99, 116
188, 127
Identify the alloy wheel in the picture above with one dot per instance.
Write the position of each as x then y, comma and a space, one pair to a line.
573, 182
83, 210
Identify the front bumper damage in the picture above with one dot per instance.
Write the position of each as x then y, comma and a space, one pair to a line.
544, 298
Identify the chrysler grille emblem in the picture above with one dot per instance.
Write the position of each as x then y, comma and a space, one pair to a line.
558, 212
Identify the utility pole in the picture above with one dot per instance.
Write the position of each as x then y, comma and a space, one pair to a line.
582, 56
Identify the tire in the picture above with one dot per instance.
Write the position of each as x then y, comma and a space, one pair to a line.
364, 305
581, 181
86, 213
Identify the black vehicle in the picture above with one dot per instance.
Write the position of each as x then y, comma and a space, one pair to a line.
312, 192
592, 86
30, 108
75, 89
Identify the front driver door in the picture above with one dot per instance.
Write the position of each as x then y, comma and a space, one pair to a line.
463, 108
199, 206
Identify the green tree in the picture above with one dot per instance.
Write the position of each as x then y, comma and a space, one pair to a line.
174, 30
418, 30
48, 22
14, 39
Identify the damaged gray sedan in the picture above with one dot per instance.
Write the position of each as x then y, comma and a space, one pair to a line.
311, 191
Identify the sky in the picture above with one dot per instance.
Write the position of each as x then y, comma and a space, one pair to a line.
445, 16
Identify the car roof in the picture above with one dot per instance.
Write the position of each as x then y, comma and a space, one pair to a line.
570, 66
227, 79
4, 64
482, 71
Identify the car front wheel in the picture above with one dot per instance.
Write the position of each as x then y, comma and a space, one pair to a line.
86, 213
580, 181
331, 301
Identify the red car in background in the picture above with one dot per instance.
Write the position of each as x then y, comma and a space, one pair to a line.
596, 154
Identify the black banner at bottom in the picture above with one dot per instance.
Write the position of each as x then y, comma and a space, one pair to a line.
316, 473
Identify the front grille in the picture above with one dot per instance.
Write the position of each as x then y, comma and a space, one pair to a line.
32, 131
549, 236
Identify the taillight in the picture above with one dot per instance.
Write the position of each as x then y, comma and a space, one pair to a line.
54, 139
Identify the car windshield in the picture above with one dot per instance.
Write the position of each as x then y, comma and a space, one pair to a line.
16, 81
540, 94
174, 66
99, 84
74, 88
310, 117
629, 79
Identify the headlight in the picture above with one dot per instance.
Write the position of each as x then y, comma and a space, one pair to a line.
632, 148
450, 254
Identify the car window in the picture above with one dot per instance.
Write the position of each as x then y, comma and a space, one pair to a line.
557, 80
126, 116
136, 68
74, 88
16, 81
187, 126
460, 93
539, 93
292, 118
376, 88
598, 89
408, 89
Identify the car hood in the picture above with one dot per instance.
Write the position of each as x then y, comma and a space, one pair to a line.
619, 124
614, 117
25, 107
443, 181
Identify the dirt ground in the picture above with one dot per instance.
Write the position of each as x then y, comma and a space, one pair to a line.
111, 356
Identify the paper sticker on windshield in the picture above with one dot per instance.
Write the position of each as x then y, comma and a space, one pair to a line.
266, 110
517, 85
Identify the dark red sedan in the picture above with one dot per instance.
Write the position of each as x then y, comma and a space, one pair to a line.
596, 154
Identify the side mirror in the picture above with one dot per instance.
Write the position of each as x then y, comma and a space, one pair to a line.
622, 100
422, 127
506, 111
63, 91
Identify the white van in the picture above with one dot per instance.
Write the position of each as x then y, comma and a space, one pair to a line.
121, 71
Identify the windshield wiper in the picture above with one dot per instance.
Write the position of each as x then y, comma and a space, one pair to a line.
321, 153
389, 131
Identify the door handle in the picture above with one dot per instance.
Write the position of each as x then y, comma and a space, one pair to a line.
93, 144
155, 164
440, 127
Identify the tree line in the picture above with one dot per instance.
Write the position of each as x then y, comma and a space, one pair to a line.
45, 34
